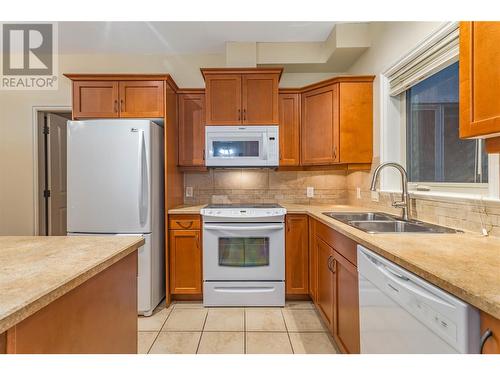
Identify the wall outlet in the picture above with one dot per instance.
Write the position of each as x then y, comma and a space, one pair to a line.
375, 196
358, 192
310, 192
189, 191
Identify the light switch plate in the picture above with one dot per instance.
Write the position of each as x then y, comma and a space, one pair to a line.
375, 196
310, 192
358, 192
189, 191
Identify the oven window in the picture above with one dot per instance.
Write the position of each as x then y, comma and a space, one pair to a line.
227, 149
244, 251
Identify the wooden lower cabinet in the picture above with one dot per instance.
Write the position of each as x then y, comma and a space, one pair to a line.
325, 288
185, 262
297, 255
492, 344
346, 304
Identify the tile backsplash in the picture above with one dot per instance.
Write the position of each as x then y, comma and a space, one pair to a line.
334, 187
265, 186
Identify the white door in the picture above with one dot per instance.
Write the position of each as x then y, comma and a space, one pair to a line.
249, 251
109, 176
56, 165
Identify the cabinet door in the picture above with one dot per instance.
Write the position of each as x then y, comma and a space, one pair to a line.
320, 126
260, 99
141, 99
325, 302
313, 262
355, 122
479, 80
289, 123
346, 305
492, 344
192, 130
185, 262
223, 99
297, 254
95, 99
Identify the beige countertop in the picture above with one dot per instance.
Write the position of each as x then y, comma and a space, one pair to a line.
464, 264
34, 271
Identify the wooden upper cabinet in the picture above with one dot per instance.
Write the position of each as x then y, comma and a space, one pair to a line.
337, 121
289, 125
192, 130
346, 305
246, 96
297, 254
479, 80
320, 126
118, 96
260, 99
95, 99
141, 99
223, 99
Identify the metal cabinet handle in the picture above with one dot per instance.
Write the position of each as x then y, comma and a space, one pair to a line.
116, 106
179, 223
485, 336
244, 114
122, 105
334, 152
239, 114
329, 263
203, 154
334, 265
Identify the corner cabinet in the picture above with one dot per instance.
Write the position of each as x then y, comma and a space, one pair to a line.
241, 96
192, 129
118, 96
185, 259
480, 82
337, 122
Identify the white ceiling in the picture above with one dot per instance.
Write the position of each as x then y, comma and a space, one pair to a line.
181, 37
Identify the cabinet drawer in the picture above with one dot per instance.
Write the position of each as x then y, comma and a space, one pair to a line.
184, 222
342, 244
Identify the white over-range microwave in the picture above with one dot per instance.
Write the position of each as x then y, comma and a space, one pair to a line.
242, 146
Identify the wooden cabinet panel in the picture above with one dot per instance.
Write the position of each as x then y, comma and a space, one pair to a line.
141, 99
492, 344
356, 122
185, 262
313, 262
191, 130
346, 305
184, 222
260, 99
223, 99
479, 79
289, 129
95, 99
325, 296
342, 244
297, 254
320, 126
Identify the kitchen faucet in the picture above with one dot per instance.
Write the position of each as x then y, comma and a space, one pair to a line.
404, 203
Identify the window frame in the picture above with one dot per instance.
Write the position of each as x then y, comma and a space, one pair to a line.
392, 140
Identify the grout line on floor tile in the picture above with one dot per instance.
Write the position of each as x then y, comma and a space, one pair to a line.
244, 331
287, 332
202, 331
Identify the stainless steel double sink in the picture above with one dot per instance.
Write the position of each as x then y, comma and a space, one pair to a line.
378, 222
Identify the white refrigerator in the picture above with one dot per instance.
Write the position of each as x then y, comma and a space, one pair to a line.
115, 187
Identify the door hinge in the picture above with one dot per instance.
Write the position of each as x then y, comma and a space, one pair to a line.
46, 193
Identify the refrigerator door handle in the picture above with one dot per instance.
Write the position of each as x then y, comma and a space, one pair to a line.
143, 180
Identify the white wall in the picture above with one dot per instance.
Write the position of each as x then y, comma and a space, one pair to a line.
16, 127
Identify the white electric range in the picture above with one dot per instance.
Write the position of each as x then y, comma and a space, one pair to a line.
243, 255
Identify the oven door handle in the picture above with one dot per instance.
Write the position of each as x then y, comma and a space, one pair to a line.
260, 227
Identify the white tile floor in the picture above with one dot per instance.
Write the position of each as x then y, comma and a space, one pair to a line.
189, 328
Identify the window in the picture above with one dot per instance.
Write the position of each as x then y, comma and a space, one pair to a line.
434, 151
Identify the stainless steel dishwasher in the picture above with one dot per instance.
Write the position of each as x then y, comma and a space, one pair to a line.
402, 313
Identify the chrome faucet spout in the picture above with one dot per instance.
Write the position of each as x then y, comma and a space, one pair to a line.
404, 204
